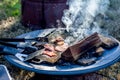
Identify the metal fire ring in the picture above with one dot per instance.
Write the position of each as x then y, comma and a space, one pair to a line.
109, 57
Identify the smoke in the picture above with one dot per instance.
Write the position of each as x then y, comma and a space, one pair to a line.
79, 19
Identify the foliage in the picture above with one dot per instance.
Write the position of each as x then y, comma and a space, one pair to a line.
10, 8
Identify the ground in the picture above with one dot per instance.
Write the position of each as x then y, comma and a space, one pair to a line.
11, 27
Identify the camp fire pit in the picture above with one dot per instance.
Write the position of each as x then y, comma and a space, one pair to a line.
108, 58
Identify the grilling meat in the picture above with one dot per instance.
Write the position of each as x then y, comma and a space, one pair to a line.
61, 48
44, 55
46, 58
49, 53
60, 45
56, 39
85, 52
49, 47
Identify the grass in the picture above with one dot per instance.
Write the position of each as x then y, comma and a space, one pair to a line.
9, 8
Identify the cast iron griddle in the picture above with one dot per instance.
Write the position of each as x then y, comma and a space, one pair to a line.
109, 57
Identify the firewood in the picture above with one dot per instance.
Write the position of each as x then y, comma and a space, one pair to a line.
99, 51
73, 52
86, 62
107, 42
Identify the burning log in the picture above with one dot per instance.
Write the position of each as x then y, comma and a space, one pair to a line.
107, 42
85, 52
86, 62
74, 51
93, 41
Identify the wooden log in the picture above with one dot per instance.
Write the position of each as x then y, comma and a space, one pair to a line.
107, 42
73, 52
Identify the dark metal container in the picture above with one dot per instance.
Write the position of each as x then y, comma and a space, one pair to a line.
40, 14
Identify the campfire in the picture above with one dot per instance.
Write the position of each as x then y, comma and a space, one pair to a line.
54, 48
85, 52
81, 43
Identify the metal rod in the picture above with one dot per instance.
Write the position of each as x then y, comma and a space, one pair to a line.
41, 39
8, 44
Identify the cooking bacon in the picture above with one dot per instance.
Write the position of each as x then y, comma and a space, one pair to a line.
49, 47
49, 53
61, 48
57, 39
60, 43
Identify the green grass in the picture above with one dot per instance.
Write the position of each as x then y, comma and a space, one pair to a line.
9, 8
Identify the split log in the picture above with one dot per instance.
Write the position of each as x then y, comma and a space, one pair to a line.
74, 51
107, 42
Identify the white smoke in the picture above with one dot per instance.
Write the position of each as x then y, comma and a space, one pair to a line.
79, 18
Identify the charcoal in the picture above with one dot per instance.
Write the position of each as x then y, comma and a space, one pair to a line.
62, 62
86, 61
98, 52
35, 60
107, 42
73, 52
29, 50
